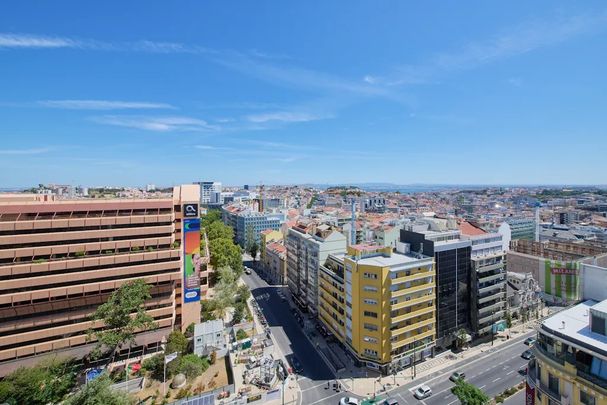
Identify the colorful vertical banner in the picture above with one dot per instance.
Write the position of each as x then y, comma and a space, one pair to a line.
191, 259
529, 395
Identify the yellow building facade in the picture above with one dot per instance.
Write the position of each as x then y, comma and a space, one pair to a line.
380, 304
268, 236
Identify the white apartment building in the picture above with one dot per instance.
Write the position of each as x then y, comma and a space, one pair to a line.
308, 246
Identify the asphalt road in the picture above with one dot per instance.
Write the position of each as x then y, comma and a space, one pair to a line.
290, 338
493, 372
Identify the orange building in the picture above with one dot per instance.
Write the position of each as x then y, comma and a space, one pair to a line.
59, 260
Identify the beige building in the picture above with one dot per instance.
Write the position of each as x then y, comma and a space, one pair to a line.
275, 263
59, 260
570, 354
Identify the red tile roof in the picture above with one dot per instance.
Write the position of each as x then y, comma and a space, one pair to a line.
466, 228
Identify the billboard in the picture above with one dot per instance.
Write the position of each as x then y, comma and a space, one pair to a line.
561, 280
191, 259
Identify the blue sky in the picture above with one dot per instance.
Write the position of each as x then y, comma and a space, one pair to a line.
292, 92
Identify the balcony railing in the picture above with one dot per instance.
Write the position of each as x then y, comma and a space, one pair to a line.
593, 379
553, 357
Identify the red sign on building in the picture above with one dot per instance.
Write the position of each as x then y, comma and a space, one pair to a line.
529, 395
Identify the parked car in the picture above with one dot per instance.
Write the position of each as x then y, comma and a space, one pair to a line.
247, 270
390, 401
422, 392
528, 355
348, 401
523, 371
529, 341
457, 375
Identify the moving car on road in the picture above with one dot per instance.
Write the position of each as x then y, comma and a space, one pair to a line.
422, 392
528, 355
457, 375
390, 401
529, 341
348, 401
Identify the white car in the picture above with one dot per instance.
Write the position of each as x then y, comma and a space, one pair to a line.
348, 401
423, 391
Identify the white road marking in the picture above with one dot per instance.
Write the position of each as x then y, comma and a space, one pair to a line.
446, 396
314, 386
482, 386
496, 380
452, 402
510, 372
325, 398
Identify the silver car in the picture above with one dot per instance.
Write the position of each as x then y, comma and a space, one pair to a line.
422, 392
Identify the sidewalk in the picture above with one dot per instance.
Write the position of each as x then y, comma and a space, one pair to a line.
364, 386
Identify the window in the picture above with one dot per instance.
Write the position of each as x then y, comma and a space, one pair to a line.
586, 399
369, 288
369, 301
553, 384
371, 276
371, 314
370, 326
370, 339
370, 353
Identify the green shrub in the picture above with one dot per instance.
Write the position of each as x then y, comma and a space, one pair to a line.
192, 366
184, 392
79, 254
177, 342
241, 334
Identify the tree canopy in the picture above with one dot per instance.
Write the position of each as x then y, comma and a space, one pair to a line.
224, 253
177, 342
468, 394
217, 229
123, 315
47, 382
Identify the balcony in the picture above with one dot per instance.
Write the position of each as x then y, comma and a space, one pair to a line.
550, 356
414, 301
492, 296
412, 314
410, 290
491, 267
498, 276
408, 328
413, 277
493, 317
496, 306
420, 336
593, 379
490, 288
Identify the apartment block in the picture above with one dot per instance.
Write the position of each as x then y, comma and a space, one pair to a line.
380, 304
309, 245
275, 263
59, 260
248, 223
452, 257
570, 365
487, 278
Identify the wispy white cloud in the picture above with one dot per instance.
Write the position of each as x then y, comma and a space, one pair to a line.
213, 148
35, 41
526, 37
32, 151
157, 124
254, 63
104, 105
288, 159
284, 116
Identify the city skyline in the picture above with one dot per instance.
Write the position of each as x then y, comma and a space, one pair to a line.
302, 95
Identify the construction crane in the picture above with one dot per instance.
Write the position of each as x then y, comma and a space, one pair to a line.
261, 188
